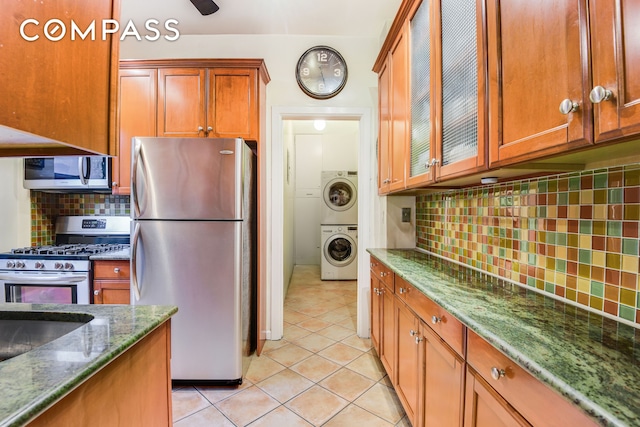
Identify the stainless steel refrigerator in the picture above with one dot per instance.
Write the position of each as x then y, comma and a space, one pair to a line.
193, 243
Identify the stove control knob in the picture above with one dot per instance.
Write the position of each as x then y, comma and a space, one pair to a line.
19, 264
58, 266
39, 265
68, 266
11, 264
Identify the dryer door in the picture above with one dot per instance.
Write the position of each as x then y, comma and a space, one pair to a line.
340, 194
340, 250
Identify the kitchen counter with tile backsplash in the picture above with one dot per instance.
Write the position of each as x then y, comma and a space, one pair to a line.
592, 360
33, 381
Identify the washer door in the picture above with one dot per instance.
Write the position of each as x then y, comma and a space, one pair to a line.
340, 194
340, 250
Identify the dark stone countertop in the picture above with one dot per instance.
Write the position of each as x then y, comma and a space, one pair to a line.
33, 381
592, 360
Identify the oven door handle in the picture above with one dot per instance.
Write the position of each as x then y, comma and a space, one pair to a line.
49, 280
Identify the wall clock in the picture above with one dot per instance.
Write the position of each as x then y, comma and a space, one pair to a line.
321, 72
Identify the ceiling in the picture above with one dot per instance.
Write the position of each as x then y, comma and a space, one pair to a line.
348, 18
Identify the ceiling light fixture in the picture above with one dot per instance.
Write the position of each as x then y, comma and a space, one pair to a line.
205, 7
319, 124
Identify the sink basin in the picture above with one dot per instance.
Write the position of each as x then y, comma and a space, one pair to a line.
22, 331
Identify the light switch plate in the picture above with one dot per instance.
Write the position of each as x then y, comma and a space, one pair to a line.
406, 214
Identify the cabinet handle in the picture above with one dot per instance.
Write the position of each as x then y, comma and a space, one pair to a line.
96, 292
376, 291
435, 319
386, 181
496, 373
413, 333
568, 106
116, 270
418, 339
403, 290
599, 94
382, 274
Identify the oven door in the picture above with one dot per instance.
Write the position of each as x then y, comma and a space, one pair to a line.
45, 287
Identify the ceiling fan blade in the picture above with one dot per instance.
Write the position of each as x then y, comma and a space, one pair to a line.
205, 7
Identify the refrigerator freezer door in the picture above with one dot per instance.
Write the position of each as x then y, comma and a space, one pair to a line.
187, 178
196, 265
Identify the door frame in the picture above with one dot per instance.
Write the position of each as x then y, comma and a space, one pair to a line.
274, 211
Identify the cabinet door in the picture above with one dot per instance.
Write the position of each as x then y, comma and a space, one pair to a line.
181, 102
462, 142
232, 104
376, 305
384, 132
399, 109
531, 75
421, 151
136, 117
443, 382
408, 376
486, 408
615, 45
387, 335
111, 292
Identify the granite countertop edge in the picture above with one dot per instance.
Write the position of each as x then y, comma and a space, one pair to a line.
123, 254
48, 396
592, 409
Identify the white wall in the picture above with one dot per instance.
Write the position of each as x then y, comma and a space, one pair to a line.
15, 214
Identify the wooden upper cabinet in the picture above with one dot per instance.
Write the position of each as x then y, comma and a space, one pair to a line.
136, 117
232, 103
64, 90
538, 59
399, 104
384, 128
182, 102
615, 49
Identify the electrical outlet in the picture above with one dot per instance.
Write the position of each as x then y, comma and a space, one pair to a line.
406, 214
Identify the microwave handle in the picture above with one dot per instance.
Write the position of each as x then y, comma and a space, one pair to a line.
84, 173
47, 280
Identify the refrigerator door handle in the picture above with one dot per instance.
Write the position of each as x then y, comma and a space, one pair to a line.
137, 158
134, 256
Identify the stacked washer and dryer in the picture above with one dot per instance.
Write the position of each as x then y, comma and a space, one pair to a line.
339, 225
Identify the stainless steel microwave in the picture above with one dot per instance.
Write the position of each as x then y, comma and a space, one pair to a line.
68, 174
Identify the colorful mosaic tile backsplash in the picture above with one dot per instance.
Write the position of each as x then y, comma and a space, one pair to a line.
46, 207
574, 235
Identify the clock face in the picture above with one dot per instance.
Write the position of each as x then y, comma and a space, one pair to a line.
321, 72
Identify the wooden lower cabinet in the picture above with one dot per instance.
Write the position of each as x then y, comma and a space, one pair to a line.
132, 390
408, 376
111, 282
382, 331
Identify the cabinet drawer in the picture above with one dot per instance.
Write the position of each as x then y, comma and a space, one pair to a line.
450, 329
115, 269
379, 270
524, 392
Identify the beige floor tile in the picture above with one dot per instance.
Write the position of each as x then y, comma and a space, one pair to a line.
334, 318
317, 405
187, 401
314, 310
383, 402
336, 332
285, 385
314, 342
247, 406
386, 381
354, 416
205, 418
293, 317
348, 322
261, 368
280, 417
362, 344
347, 384
341, 353
313, 324
216, 394
293, 332
315, 368
289, 354
369, 366
404, 422
271, 345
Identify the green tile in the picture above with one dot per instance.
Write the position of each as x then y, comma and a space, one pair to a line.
584, 256
574, 183
532, 259
516, 234
630, 246
563, 198
561, 239
531, 281
614, 228
561, 265
550, 287
585, 227
542, 212
615, 195
543, 186
597, 289
627, 313
551, 238
524, 188
600, 180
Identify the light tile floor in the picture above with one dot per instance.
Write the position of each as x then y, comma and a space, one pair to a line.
320, 374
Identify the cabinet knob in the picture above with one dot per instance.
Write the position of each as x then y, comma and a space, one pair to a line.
96, 292
382, 274
209, 129
114, 184
402, 290
200, 129
116, 270
413, 333
435, 319
568, 106
496, 373
386, 181
419, 339
599, 94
